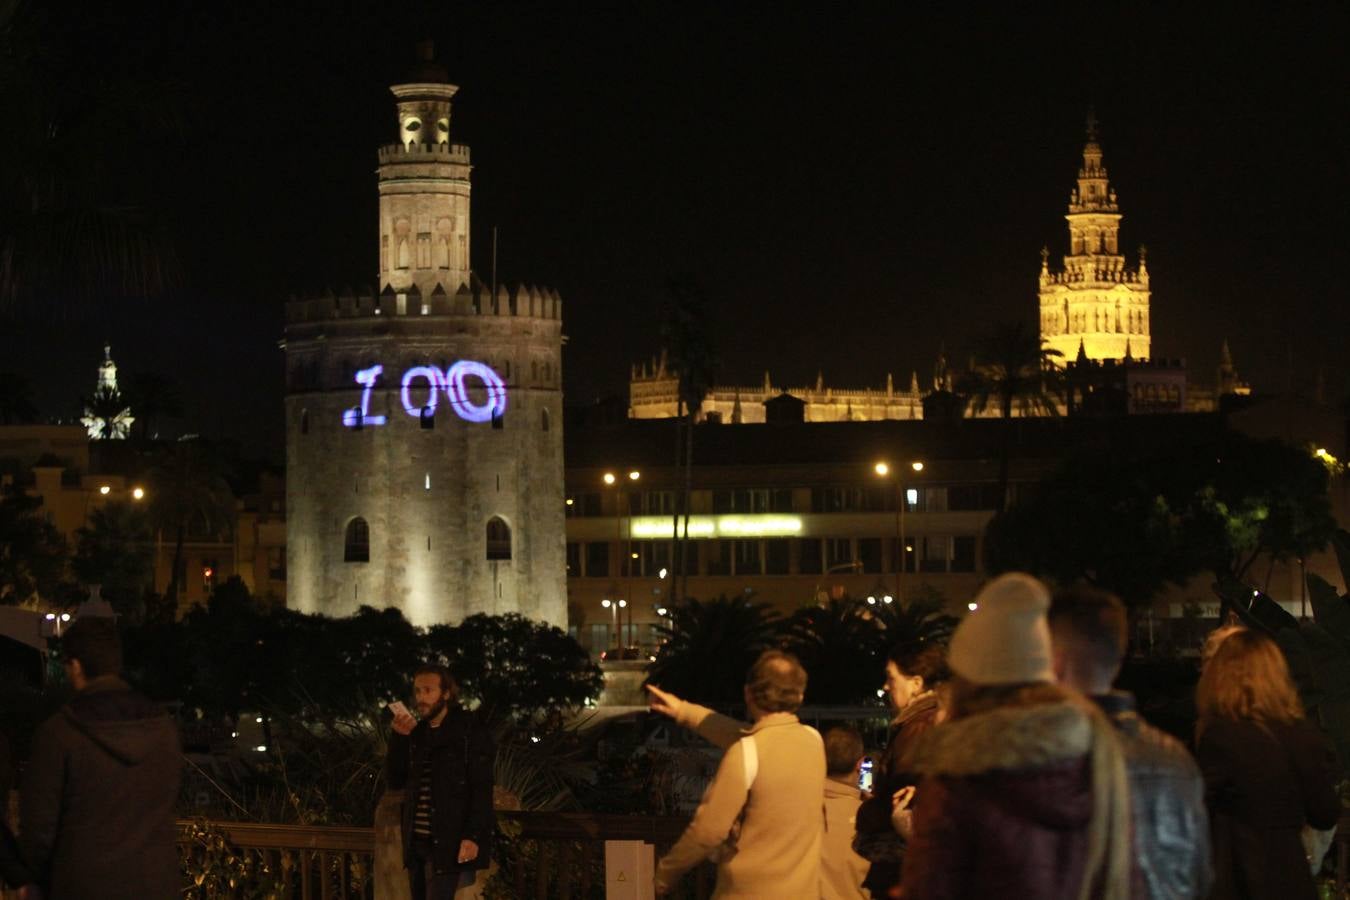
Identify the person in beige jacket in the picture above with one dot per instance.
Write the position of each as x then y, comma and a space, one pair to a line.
767, 831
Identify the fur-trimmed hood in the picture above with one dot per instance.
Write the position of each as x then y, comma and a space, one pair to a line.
1007, 738
1032, 761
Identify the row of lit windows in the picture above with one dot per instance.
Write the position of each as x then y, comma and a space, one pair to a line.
356, 540
775, 556
832, 499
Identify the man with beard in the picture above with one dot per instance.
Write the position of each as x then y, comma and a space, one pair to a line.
442, 761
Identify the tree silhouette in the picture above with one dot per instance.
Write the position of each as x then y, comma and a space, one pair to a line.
152, 398
16, 400
115, 550
70, 229
709, 647
1013, 371
687, 333
188, 493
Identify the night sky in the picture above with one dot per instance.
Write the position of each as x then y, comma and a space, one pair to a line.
851, 185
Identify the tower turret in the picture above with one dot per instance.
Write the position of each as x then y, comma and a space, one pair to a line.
424, 189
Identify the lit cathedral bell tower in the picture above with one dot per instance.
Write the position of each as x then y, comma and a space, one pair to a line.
424, 463
1097, 300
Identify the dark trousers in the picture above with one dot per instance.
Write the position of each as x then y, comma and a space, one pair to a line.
429, 883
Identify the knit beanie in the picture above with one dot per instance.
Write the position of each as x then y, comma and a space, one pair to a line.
1005, 639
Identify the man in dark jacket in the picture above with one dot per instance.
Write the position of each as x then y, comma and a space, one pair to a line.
97, 805
443, 764
1088, 629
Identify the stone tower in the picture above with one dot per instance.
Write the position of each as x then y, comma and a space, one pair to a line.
1096, 300
424, 422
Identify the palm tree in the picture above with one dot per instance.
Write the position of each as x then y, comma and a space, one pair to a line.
710, 645
16, 400
105, 415
153, 396
841, 646
189, 493
919, 618
693, 359
1014, 370
69, 231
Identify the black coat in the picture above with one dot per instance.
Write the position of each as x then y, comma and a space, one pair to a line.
462, 757
97, 805
1263, 783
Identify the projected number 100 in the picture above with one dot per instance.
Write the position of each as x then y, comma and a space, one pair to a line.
451, 381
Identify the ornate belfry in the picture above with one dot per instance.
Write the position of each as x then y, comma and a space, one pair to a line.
1096, 300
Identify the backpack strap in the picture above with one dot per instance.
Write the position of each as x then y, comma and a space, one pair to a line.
749, 760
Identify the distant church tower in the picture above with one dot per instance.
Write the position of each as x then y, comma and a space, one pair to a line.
1096, 300
424, 464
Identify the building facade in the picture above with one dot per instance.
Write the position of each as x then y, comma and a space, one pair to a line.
424, 423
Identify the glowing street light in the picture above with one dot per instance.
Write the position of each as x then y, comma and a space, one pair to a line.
609, 478
104, 489
138, 493
634, 475
883, 470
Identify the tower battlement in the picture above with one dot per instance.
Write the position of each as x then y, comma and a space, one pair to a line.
417, 152
521, 302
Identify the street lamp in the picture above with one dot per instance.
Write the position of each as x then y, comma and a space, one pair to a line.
883, 469
625, 547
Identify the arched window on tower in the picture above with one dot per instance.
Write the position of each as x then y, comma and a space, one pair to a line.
498, 539
543, 420
304, 421
356, 543
428, 418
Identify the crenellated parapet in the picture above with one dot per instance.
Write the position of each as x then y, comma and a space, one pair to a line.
392, 154
518, 302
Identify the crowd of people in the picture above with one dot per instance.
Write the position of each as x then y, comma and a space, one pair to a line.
1013, 769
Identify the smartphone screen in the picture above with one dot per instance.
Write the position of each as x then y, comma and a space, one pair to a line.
398, 709
865, 775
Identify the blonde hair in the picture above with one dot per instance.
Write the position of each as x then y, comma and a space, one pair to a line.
1214, 639
1246, 679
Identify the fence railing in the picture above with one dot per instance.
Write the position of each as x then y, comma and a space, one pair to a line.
547, 855
303, 862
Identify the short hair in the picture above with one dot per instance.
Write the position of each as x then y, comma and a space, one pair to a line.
1091, 624
93, 640
448, 681
1247, 680
776, 682
843, 749
926, 659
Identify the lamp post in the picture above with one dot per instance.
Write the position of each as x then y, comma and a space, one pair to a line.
883, 469
625, 547
614, 606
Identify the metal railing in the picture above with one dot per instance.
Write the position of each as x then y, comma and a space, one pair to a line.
304, 862
553, 855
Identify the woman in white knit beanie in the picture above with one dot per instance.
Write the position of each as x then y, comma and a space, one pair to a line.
1025, 791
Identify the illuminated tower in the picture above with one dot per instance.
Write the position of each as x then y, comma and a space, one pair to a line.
424, 422
106, 414
1096, 299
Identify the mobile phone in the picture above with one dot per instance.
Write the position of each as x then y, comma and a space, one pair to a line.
398, 709
865, 775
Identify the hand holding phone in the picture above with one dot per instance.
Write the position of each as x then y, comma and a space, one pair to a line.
399, 710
